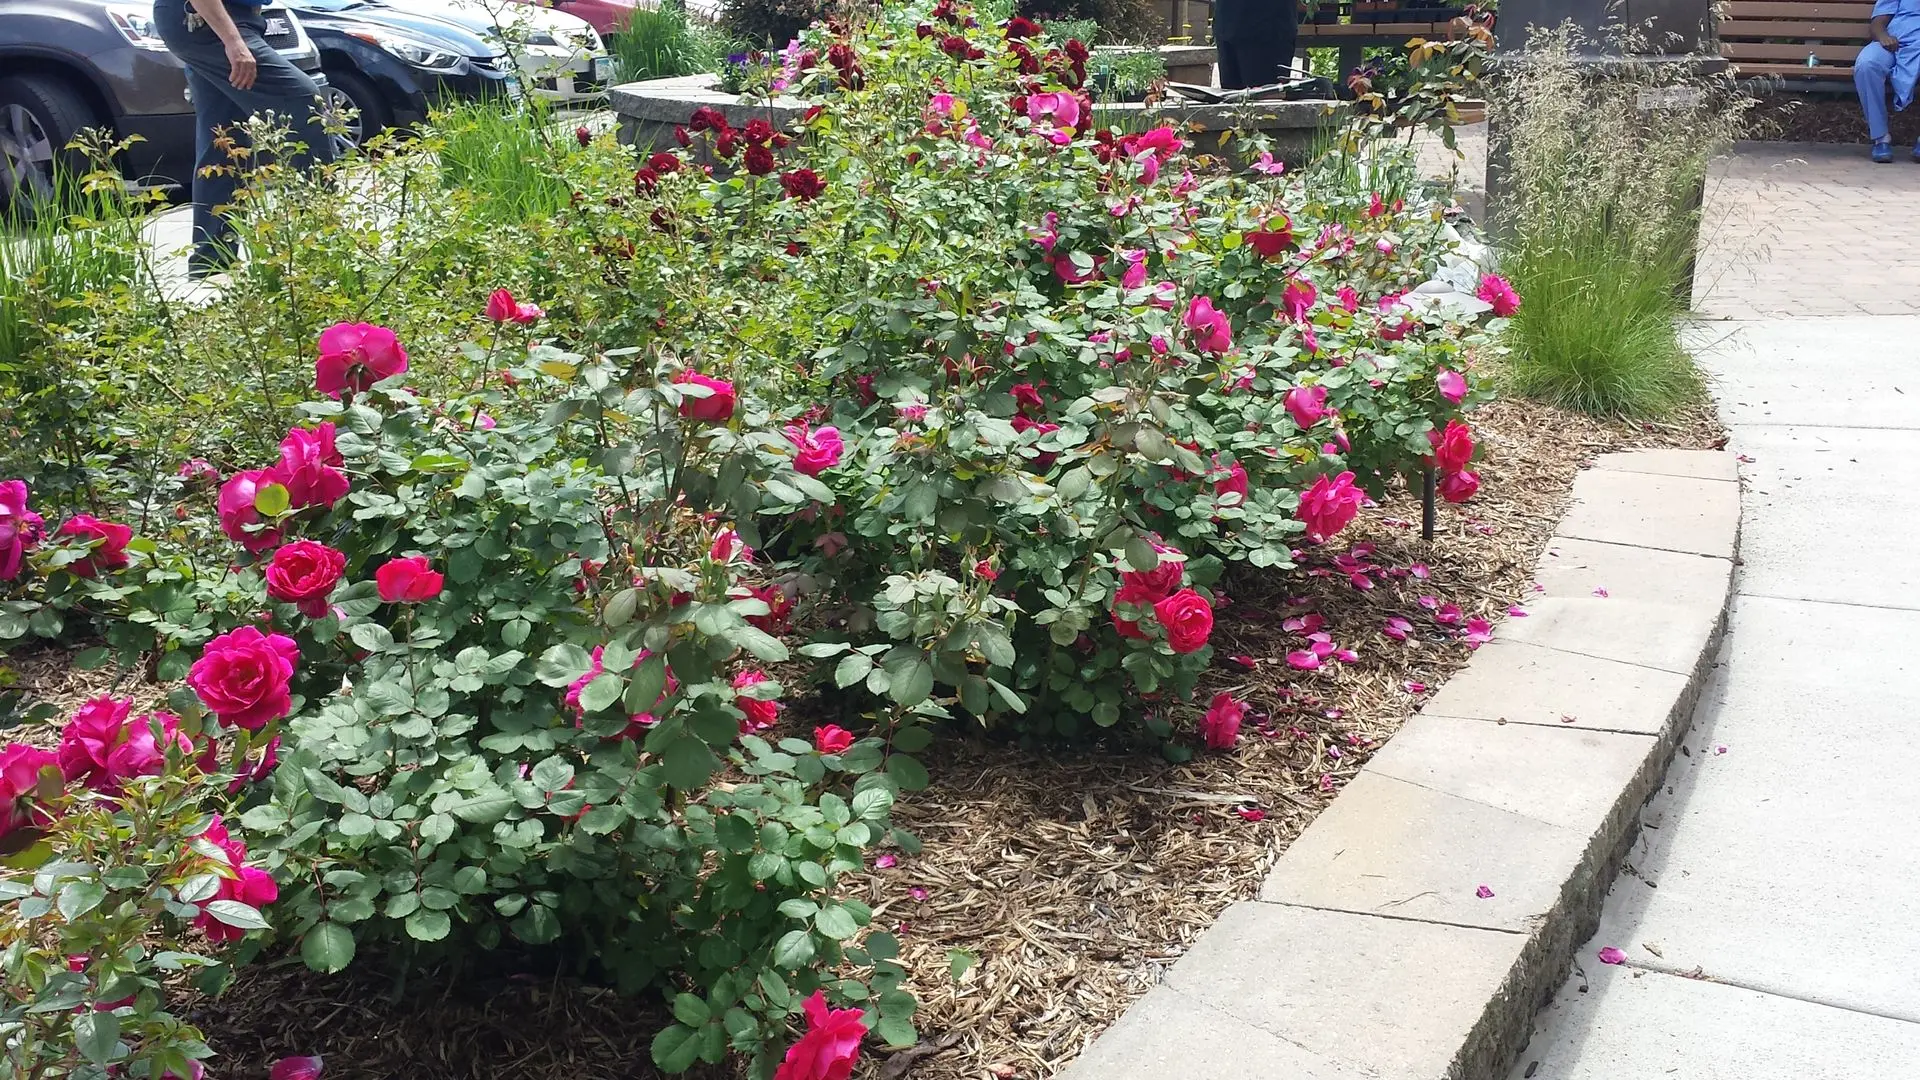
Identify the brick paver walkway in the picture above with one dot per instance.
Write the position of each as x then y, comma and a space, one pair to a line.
1809, 229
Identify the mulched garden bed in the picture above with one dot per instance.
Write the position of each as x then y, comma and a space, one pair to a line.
1069, 878
1825, 120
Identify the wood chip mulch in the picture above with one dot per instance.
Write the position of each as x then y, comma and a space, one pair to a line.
1071, 878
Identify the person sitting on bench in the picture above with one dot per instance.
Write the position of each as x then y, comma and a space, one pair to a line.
1892, 56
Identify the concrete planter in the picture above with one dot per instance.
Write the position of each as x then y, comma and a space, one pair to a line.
649, 111
1184, 63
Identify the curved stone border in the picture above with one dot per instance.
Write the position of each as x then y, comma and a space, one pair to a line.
1369, 952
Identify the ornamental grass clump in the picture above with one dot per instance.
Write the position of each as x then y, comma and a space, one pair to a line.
1599, 207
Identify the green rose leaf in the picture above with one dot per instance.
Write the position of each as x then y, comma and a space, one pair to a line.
328, 948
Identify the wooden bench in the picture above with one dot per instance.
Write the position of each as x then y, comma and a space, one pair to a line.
1773, 38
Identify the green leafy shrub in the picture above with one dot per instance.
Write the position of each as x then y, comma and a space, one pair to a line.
115, 877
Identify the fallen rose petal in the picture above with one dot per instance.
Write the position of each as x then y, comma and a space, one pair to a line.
1420, 571
1743, 459
917, 893
1346, 656
1449, 615
1244, 661
1416, 687
1483, 893
1303, 659
1429, 602
1397, 628
1516, 612
1600, 591
1611, 955
885, 862
1250, 813
1721, 749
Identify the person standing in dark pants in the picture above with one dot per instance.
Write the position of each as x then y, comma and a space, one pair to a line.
232, 73
1256, 41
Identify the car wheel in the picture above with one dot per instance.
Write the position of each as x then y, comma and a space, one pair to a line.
39, 116
349, 90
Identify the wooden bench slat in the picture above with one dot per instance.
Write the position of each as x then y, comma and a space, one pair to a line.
1783, 28
1762, 50
1396, 30
1774, 9
1825, 72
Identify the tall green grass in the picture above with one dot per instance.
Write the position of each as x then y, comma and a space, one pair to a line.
1596, 214
506, 158
51, 261
664, 43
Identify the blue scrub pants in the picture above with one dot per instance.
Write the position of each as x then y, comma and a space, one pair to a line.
281, 88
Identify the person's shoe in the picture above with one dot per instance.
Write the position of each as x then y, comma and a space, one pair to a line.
1883, 152
1916, 150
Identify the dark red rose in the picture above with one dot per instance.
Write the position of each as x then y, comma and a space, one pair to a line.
1022, 27
759, 159
803, 184
664, 163
757, 131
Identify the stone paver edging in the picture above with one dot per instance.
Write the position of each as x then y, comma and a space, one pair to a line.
1370, 953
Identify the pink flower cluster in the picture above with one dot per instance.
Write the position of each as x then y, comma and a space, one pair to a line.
238, 881
1452, 452
309, 471
21, 530
1184, 615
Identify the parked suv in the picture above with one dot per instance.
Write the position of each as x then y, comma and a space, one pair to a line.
72, 64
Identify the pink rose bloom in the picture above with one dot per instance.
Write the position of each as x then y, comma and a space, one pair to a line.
502, 307
20, 769
304, 573
637, 723
1211, 330
248, 885
940, 105
830, 1046
1496, 292
716, 408
1329, 505
1066, 270
1135, 276
1458, 487
1163, 296
1027, 397
139, 753
1452, 448
1220, 725
1062, 109
1267, 166
107, 539
198, 471
243, 677
309, 467
1048, 234
761, 715
19, 527
1349, 298
1234, 484
1297, 299
1451, 386
728, 546
411, 580
1162, 142
1187, 618
815, 450
832, 739
88, 739
1307, 405
354, 356
237, 510
1146, 587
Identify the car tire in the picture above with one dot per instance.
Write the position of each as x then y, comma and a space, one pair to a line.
39, 116
376, 115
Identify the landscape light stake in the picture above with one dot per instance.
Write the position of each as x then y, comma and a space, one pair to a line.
1426, 504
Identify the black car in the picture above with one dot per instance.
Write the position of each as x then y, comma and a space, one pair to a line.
393, 65
72, 64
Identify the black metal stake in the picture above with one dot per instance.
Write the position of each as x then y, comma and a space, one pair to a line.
1427, 510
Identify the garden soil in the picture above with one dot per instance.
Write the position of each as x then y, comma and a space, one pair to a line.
1062, 882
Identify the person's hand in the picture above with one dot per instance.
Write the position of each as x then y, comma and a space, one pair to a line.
1888, 41
245, 68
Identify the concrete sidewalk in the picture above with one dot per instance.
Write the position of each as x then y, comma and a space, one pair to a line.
1770, 915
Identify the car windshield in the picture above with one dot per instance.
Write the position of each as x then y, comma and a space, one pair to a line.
322, 5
